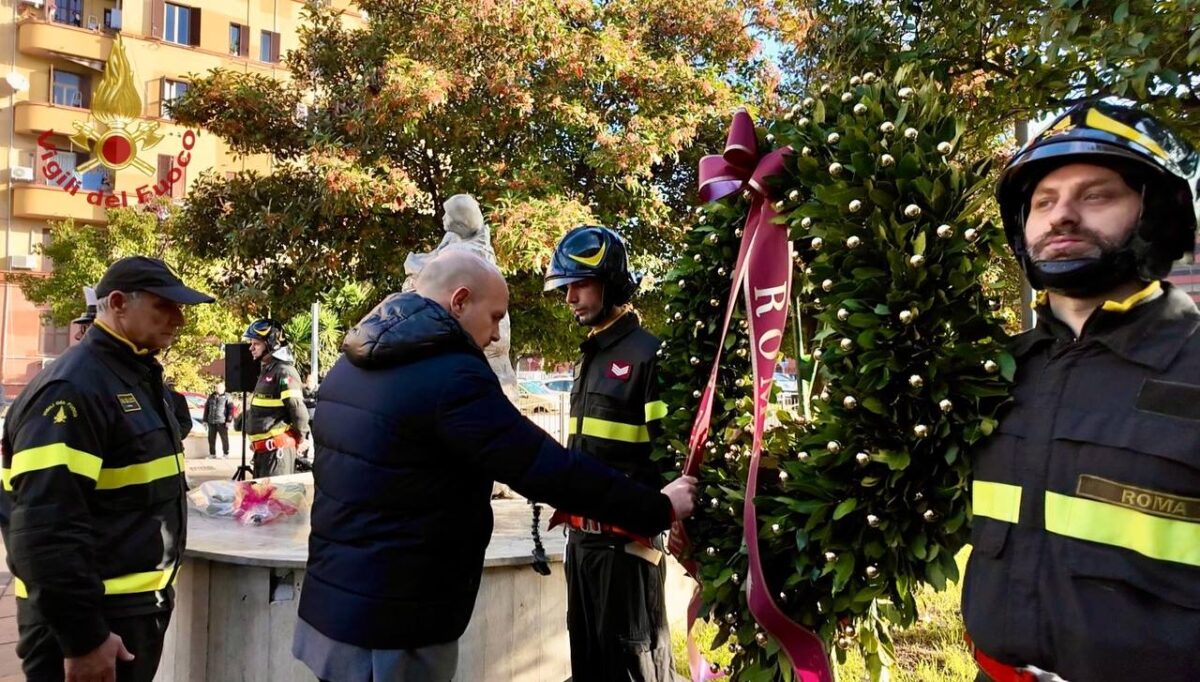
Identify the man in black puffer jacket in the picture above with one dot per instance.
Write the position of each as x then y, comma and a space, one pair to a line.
412, 429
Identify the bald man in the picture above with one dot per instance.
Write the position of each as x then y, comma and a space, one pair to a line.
411, 431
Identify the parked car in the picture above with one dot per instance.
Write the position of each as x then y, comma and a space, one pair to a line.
195, 403
533, 397
559, 384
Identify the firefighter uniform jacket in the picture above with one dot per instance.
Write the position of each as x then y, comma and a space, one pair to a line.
1086, 535
92, 505
277, 405
615, 410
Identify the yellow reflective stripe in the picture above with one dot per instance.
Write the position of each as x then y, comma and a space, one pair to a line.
263, 401
138, 582
1132, 302
47, 456
282, 428
1095, 119
291, 393
655, 410
150, 581
1108, 524
627, 433
999, 501
138, 474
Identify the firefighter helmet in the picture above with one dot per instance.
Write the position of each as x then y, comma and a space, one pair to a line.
593, 252
268, 331
1151, 159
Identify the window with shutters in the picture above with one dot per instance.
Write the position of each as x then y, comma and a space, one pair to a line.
268, 49
181, 24
171, 90
165, 163
239, 40
47, 263
112, 19
97, 179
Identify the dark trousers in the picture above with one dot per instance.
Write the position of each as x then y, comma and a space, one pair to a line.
222, 430
616, 612
278, 462
42, 659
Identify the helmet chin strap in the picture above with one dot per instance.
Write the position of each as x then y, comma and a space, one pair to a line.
606, 310
1085, 277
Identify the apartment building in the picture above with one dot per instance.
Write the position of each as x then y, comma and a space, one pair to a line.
85, 123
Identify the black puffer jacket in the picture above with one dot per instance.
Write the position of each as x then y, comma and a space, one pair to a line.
411, 429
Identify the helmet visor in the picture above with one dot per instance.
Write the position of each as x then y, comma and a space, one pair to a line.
561, 281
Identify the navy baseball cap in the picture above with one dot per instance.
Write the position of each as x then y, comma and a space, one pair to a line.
141, 273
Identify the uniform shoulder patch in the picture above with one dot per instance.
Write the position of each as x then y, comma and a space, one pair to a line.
620, 370
60, 411
129, 402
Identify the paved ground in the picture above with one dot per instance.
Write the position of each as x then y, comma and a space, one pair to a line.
199, 470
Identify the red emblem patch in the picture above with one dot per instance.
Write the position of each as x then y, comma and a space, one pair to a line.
620, 370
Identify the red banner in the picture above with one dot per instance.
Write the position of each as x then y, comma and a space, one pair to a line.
763, 272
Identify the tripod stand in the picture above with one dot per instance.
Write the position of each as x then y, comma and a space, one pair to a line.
244, 471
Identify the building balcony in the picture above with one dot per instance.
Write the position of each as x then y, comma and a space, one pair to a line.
47, 202
34, 118
45, 39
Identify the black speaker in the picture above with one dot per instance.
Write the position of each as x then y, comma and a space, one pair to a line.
241, 371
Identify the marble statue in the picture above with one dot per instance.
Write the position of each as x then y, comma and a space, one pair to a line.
466, 229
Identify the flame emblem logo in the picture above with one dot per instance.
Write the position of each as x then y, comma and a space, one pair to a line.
115, 109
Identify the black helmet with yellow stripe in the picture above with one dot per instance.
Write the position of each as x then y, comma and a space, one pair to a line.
1151, 159
593, 252
266, 330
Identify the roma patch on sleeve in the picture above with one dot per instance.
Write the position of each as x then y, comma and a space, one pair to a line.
1140, 499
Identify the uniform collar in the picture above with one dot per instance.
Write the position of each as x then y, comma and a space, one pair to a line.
1149, 328
119, 354
611, 333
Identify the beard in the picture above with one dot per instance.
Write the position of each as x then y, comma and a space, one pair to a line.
1097, 245
590, 319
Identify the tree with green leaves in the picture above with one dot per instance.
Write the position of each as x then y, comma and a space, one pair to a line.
551, 113
1009, 62
298, 332
81, 254
863, 492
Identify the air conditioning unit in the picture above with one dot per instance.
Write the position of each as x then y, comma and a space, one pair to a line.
32, 3
28, 262
20, 174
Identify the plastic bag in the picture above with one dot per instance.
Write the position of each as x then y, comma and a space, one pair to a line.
250, 503
213, 498
257, 504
